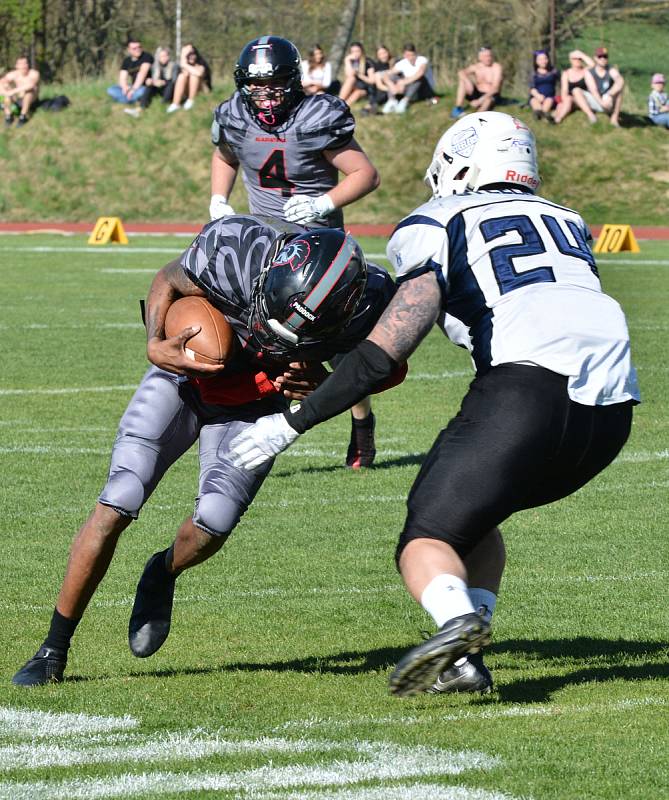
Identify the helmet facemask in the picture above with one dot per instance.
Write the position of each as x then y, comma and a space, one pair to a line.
269, 79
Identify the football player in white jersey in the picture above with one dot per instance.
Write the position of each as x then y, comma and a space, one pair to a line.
290, 149
511, 276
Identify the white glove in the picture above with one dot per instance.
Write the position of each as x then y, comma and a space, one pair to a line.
218, 207
303, 209
260, 442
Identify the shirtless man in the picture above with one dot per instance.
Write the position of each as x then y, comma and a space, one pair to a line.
480, 84
20, 86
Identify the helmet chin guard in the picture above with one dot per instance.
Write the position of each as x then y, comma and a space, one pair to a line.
481, 149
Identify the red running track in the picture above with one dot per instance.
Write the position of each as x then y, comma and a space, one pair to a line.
640, 231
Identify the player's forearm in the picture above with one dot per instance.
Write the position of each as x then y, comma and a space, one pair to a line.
357, 375
170, 283
161, 296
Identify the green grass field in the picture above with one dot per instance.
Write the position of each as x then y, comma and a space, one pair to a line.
273, 683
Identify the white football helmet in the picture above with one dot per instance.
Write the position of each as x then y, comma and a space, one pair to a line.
480, 149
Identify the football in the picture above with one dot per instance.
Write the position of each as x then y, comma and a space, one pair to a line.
215, 343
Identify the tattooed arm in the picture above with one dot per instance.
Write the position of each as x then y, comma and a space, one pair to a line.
409, 317
169, 284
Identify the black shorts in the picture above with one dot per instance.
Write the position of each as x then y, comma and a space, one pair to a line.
477, 93
517, 442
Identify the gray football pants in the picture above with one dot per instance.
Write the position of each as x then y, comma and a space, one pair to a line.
163, 419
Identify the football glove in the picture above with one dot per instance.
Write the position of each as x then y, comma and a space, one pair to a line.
303, 209
260, 442
218, 207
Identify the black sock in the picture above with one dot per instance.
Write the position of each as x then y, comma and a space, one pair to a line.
367, 422
61, 631
168, 561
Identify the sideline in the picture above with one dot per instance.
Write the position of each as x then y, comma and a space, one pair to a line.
190, 228
159, 228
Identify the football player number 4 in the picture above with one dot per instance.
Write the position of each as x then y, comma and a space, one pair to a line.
272, 174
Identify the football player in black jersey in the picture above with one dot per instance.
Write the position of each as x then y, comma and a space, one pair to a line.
294, 298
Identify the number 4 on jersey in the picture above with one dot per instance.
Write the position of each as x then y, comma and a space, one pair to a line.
272, 174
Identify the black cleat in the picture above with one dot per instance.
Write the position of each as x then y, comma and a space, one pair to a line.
151, 616
361, 448
8, 120
419, 669
23, 120
46, 666
468, 675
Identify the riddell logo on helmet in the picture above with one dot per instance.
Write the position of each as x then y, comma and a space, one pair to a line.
519, 177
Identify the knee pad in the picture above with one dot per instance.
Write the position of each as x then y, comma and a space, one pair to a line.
216, 514
125, 493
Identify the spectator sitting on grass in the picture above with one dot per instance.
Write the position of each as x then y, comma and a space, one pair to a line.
604, 87
132, 79
316, 72
358, 75
20, 88
378, 94
542, 88
658, 107
164, 73
480, 84
573, 86
409, 80
194, 75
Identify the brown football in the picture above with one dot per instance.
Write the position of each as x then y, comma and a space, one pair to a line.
215, 343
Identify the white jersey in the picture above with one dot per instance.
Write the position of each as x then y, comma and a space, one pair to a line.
520, 285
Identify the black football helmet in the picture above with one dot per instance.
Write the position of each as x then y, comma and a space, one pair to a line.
306, 293
264, 59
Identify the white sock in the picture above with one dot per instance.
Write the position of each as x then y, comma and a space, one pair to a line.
446, 597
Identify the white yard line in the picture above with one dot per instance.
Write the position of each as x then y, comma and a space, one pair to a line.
378, 762
72, 390
155, 784
413, 791
626, 261
39, 326
338, 591
491, 713
133, 249
20, 722
100, 251
187, 746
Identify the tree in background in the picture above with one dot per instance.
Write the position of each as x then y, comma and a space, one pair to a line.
85, 38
